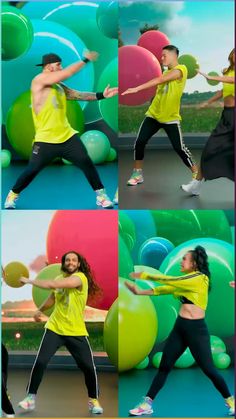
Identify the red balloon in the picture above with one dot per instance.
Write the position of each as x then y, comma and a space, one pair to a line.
154, 41
94, 235
137, 65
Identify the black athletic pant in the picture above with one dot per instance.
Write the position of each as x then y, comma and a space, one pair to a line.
151, 126
44, 153
193, 334
6, 404
79, 348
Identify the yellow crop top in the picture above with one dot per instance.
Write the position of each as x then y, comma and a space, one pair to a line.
193, 286
228, 88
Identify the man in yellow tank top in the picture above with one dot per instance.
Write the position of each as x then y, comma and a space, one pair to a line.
66, 326
54, 136
164, 112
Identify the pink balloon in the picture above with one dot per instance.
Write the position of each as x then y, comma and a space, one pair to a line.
137, 65
94, 235
154, 41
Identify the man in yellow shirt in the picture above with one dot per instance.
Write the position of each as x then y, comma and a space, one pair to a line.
66, 326
164, 112
54, 136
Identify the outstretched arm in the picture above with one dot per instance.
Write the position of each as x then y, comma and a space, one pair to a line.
72, 94
172, 75
72, 282
138, 291
224, 79
213, 99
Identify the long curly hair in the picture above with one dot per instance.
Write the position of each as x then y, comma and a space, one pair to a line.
93, 289
200, 258
231, 62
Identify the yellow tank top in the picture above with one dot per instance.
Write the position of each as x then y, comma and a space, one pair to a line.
194, 286
228, 88
67, 316
165, 106
51, 123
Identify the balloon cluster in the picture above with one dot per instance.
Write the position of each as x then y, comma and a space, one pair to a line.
67, 29
157, 240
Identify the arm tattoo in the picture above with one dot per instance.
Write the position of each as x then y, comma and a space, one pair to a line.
72, 94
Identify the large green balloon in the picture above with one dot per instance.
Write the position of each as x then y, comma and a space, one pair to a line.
179, 226
221, 360
217, 345
17, 33
107, 18
39, 294
110, 333
109, 107
166, 305
137, 327
97, 145
186, 360
220, 310
125, 261
80, 17
127, 229
191, 63
20, 126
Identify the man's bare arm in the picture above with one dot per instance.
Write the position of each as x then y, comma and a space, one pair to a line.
72, 94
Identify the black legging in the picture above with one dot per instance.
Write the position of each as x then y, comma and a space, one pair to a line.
193, 334
44, 153
79, 348
6, 404
151, 126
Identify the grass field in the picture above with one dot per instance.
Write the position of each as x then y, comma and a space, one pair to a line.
31, 334
193, 120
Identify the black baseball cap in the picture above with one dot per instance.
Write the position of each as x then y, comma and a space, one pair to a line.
49, 59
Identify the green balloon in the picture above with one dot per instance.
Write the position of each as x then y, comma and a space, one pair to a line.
97, 145
213, 82
5, 158
191, 63
110, 333
166, 306
156, 360
107, 18
127, 229
143, 364
179, 226
39, 294
137, 328
125, 261
109, 107
112, 155
186, 360
220, 310
221, 360
233, 234
17, 33
20, 126
217, 345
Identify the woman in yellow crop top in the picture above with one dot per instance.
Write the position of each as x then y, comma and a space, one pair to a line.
217, 158
65, 326
190, 329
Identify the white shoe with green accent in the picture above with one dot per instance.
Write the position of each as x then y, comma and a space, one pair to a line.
230, 403
142, 408
95, 407
136, 178
103, 199
28, 403
11, 199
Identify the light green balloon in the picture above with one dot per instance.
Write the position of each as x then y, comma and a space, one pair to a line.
107, 18
5, 158
156, 360
217, 345
221, 360
186, 360
112, 155
143, 364
125, 261
110, 333
127, 229
39, 294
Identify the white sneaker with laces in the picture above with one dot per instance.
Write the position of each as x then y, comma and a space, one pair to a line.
28, 403
193, 187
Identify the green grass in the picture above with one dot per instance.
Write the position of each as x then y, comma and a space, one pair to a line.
31, 334
193, 119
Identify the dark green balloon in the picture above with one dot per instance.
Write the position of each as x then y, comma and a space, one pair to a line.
127, 229
191, 63
125, 261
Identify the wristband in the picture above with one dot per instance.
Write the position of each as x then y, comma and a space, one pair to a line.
100, 95
85, 60
144, 275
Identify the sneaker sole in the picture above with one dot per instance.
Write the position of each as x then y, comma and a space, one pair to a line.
28, 409
134, 184
190, 193
108, 206
148, 412
96, 413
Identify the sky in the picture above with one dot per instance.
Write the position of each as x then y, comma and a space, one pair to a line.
204, 29
23, 239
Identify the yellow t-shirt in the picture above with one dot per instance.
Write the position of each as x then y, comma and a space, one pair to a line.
194, 286
67, 316
228, 88
165, 106
51, 123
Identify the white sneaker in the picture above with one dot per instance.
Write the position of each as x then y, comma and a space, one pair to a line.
94, 406
136, 178
193, 187
230, 404
11, 199
103, 199
142, 408
28, 403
